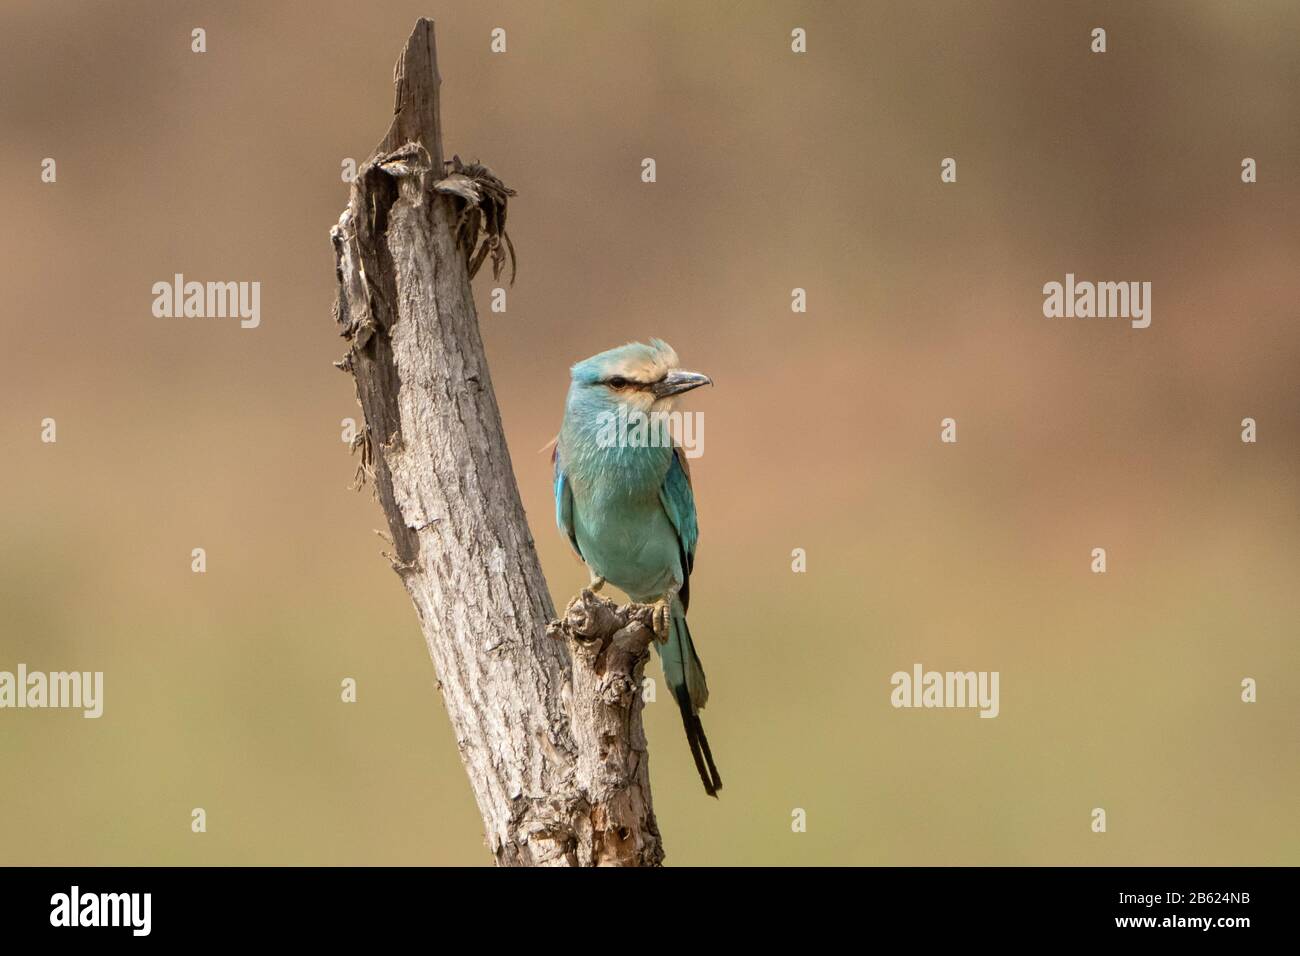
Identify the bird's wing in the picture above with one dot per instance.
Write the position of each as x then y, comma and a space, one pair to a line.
564, 501
679, 501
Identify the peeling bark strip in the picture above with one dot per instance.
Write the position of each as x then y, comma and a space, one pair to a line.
555, 754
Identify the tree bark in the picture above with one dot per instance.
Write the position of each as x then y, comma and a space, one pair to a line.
553, 747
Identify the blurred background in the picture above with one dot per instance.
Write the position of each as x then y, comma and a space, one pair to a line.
775, 171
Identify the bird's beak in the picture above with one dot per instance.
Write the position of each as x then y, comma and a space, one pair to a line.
677, 381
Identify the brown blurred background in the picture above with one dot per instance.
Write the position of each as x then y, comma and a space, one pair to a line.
775, 171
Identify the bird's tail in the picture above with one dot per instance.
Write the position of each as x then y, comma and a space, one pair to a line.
684, 675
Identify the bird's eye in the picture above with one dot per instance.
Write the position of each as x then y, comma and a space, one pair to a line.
617, 382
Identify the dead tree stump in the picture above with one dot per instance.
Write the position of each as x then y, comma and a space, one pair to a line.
549, 730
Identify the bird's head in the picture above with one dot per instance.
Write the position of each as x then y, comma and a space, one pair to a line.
639, 377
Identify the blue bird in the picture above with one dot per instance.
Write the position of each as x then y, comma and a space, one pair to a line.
623, 498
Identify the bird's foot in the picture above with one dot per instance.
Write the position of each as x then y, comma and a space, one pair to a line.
596, 584
663, 618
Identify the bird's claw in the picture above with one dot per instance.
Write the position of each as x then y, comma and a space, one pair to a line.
596, 584
663, 620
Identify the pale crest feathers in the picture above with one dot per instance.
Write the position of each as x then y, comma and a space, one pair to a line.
635, 361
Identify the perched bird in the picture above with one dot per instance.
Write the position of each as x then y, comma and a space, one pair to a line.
623, 498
